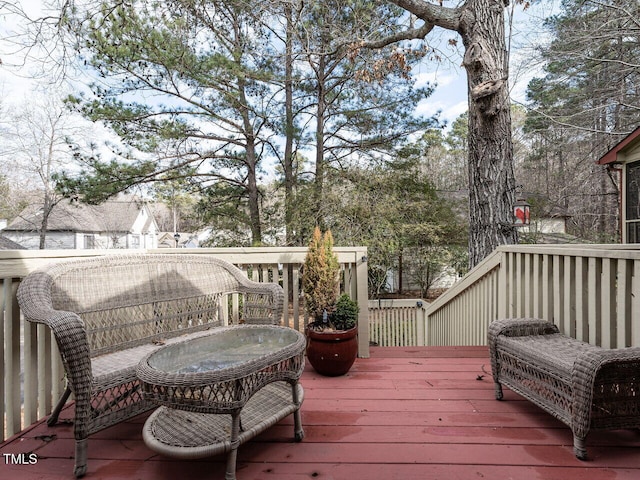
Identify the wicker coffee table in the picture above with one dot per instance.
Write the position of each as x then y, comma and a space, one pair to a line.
220, 390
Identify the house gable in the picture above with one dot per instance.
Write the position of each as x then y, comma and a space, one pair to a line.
125, 222
628, 150
627, 154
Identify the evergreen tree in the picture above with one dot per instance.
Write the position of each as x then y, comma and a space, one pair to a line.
394, 209
585, 104
480, 25
184, 85
363, 101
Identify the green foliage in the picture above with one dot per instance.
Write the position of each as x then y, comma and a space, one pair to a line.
197, 87
364, 99
186, 87
104, 180
393, 209
223, 207
345, 315
320, 276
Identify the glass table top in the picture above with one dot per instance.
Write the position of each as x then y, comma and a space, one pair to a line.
224, 348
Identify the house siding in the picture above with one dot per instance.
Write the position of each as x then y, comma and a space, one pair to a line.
53, 240
129, 226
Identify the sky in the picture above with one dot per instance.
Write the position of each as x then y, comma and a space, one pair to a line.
450, 96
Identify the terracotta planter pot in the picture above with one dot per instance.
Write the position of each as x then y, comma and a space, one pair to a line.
332, 353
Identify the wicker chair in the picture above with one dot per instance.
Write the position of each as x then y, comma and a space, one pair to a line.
108, 312
584, 386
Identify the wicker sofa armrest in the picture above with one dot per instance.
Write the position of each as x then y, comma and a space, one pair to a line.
608, 380
517, 327
264, 302
68, 330
34, 297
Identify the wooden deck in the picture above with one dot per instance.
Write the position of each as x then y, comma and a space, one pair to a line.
405, 413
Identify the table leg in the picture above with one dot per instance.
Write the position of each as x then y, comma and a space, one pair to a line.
232, 456
298, 432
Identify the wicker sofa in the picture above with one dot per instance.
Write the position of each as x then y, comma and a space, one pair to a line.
584, 386
108, 312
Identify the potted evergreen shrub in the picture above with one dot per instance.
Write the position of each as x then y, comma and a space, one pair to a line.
332, 343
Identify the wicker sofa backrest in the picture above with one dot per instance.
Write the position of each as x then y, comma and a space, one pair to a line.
127, 300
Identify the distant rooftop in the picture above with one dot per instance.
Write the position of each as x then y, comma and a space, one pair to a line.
6, 244
70, 215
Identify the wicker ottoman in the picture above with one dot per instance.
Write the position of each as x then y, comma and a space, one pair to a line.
584, 386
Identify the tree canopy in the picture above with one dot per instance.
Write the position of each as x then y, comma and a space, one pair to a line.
266, 114
195, 91
586, 102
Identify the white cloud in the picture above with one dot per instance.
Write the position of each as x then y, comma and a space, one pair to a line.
449, 97
442, 79
448, 111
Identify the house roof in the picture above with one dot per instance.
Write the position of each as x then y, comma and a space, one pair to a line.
116, 215
7, 244
612, 155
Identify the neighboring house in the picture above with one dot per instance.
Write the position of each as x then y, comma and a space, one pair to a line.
625, 159
6, 244
125, 222
548, 228
185, 240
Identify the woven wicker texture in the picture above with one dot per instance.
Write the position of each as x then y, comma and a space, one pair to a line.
108, 312
222, 389
584, 386
228, 389
190, 435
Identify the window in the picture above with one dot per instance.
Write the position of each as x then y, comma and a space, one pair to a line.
632, 203
89, 241
135, 241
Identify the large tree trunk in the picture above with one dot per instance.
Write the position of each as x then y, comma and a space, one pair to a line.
491, 178
318, 186
289, 178
480, 23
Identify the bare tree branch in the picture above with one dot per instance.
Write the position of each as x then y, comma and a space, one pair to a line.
412, 34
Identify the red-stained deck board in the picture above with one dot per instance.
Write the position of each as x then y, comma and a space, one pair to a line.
405, 413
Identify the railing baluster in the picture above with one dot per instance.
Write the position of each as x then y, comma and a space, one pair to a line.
4, 296
30, 368
606, 308
296, 298
623, 304
45, 376
12, 358
591, 292
568, 323
635, 304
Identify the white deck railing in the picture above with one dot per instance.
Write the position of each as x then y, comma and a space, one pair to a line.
397, 322
29, 361
592, 292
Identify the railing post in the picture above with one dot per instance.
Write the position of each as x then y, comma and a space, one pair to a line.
624, 310
501, 294
421, 324
12, 357
30, 372
363, 303
3, 301
635, 304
